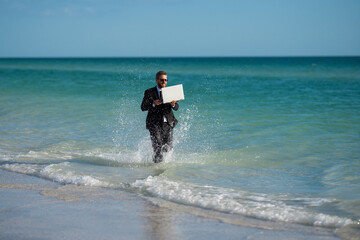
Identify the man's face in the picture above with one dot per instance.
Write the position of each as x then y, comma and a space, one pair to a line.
162, 81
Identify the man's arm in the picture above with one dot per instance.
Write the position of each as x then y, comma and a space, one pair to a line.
146, 102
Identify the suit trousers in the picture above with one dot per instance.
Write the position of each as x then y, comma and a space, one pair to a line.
161, 138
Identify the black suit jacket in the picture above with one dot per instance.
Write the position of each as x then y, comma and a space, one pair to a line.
156, 114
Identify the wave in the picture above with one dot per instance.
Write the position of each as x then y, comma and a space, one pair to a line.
155, 184
56, 172
262, 206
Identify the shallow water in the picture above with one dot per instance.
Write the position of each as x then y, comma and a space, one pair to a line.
272, 138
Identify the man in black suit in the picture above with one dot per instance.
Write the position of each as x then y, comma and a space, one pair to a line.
160, 119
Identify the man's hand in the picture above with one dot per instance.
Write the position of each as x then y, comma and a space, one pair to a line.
173, 103
157, 102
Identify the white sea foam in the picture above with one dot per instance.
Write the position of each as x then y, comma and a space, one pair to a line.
239, 202
57, 172
45, 155
5, 155
313, 202
114, 155
30, 169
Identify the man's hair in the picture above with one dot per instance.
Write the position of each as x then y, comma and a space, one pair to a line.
159, 73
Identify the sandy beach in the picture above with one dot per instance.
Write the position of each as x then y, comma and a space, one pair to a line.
34, 208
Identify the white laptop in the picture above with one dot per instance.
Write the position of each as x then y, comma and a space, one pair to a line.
172, 93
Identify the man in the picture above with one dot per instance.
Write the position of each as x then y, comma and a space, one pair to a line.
160, 119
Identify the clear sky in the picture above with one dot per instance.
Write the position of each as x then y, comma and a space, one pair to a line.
137, 28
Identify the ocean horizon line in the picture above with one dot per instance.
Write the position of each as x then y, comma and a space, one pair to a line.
178, 57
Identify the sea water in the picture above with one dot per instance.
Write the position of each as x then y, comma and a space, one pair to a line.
274, 139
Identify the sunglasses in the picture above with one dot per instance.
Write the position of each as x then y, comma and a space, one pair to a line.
163, 80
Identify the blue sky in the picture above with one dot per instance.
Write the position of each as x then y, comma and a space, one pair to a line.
137, 28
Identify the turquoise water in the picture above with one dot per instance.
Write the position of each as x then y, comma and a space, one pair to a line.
276, 139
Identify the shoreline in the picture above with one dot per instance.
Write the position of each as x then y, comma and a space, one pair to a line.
35, 208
